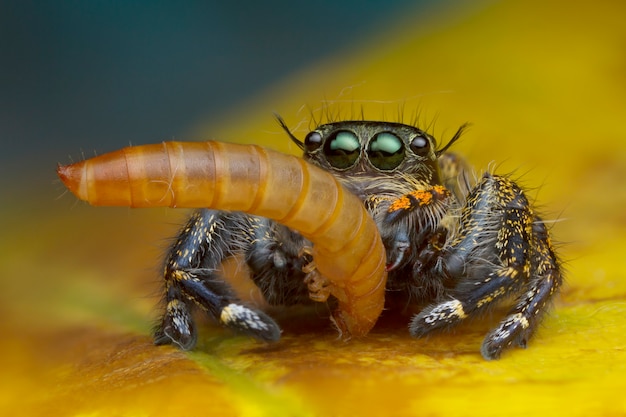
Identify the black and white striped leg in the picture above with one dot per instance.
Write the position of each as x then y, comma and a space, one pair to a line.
522, 320
208, 238
503, 249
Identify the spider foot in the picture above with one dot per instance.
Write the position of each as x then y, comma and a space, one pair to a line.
177, 327
251, 322
515, 329
434, 317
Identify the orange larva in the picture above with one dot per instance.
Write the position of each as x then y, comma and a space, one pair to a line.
347, 248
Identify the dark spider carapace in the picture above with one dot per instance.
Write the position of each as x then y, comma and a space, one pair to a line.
455, 246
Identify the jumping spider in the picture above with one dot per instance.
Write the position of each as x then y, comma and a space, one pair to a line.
454, 247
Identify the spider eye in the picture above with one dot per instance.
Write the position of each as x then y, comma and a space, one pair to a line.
420, 145
342, 149
386, 151
312, 141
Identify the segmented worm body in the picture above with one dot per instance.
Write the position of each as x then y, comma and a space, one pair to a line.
347, 249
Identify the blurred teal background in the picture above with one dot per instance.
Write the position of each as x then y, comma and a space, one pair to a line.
84, 77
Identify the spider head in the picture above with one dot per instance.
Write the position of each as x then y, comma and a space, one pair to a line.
367, 156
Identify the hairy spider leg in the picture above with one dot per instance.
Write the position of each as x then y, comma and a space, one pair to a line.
277, 259
191, 279
522, 320
487, 261
503, 249
455, 175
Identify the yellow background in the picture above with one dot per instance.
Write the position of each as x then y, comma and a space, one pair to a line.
544, 86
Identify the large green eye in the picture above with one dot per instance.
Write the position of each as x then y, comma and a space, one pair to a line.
342, 149
386, 151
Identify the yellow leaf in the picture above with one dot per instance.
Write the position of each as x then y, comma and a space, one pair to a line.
542, 83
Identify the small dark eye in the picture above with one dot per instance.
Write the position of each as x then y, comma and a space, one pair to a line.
342, 149
312, 141
386, 151
420, 145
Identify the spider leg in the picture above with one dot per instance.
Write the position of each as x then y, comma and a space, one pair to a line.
190, 280
277, 259
502, 249
522, 319
455, 175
